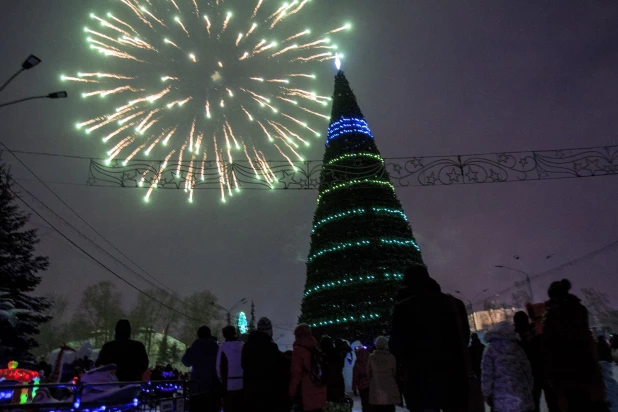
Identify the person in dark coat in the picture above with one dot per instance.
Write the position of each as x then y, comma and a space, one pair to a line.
476, 350
615, 347
201, 357
571, 365
333, 369
128, 355
360, 378
264, 386
429, 338
531, 342
604, 351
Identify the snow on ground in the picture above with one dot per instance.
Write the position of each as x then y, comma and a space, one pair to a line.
357, 407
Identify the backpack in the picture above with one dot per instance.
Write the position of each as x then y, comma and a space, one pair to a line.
318, 364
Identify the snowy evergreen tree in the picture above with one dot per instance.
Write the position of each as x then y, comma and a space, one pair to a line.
163, 357
18, 278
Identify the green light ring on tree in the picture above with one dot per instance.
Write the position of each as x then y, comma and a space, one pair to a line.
351, 281
347, 245
356, 212
346, 319
354, 155
352, 183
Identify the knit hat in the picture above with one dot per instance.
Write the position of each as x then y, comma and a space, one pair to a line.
381, 343
265, 326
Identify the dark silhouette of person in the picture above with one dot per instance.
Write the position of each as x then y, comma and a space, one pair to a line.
333, 369
604, 350
429, 339
128, 355
532, 344
264, 384
476, 350
571, 365
201, 357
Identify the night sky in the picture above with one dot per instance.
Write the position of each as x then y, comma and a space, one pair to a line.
432, 78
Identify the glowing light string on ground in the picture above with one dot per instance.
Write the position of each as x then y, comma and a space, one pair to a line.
243, 78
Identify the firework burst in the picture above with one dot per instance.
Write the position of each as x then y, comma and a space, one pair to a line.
195, 81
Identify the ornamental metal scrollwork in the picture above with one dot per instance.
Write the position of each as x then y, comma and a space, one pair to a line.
403, 172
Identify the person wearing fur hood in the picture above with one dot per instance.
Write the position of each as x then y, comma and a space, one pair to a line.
506, 381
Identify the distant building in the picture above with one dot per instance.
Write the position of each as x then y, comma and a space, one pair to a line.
484, 319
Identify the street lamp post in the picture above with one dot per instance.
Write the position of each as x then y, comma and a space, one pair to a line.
28, 64
229, 311
523, 272
528, 281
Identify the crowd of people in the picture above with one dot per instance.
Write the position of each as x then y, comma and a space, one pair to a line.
550, 351
431, 362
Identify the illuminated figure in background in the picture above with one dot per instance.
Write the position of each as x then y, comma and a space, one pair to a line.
13, 374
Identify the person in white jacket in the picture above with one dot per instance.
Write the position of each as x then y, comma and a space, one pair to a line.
230, 371
506, 379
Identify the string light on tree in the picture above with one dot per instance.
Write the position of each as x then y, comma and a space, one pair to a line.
361, 240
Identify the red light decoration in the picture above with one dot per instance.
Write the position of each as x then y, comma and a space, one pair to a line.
18, 375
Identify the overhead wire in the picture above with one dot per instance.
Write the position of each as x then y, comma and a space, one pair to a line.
169, 290
94, 258
572, 262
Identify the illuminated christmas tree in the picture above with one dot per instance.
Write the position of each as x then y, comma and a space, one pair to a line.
361, 240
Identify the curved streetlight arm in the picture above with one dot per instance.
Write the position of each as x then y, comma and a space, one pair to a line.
23, 100
13, 77
240, 302
56, 95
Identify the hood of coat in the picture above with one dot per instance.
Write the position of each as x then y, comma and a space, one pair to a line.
423, 286
502, 331
233, 347
306, 341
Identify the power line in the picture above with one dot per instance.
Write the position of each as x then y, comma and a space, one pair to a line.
169, 290
95, 259
564, 265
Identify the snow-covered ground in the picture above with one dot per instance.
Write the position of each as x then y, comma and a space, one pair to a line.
357, 407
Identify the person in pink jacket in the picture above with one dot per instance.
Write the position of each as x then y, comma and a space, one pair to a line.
313, 394
360, 378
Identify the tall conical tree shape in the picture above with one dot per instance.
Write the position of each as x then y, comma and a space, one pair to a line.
18, 278
361, 241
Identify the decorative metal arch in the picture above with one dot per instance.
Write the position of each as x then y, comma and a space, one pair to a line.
403, 172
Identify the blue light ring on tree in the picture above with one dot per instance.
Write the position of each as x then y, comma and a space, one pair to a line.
347, 125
